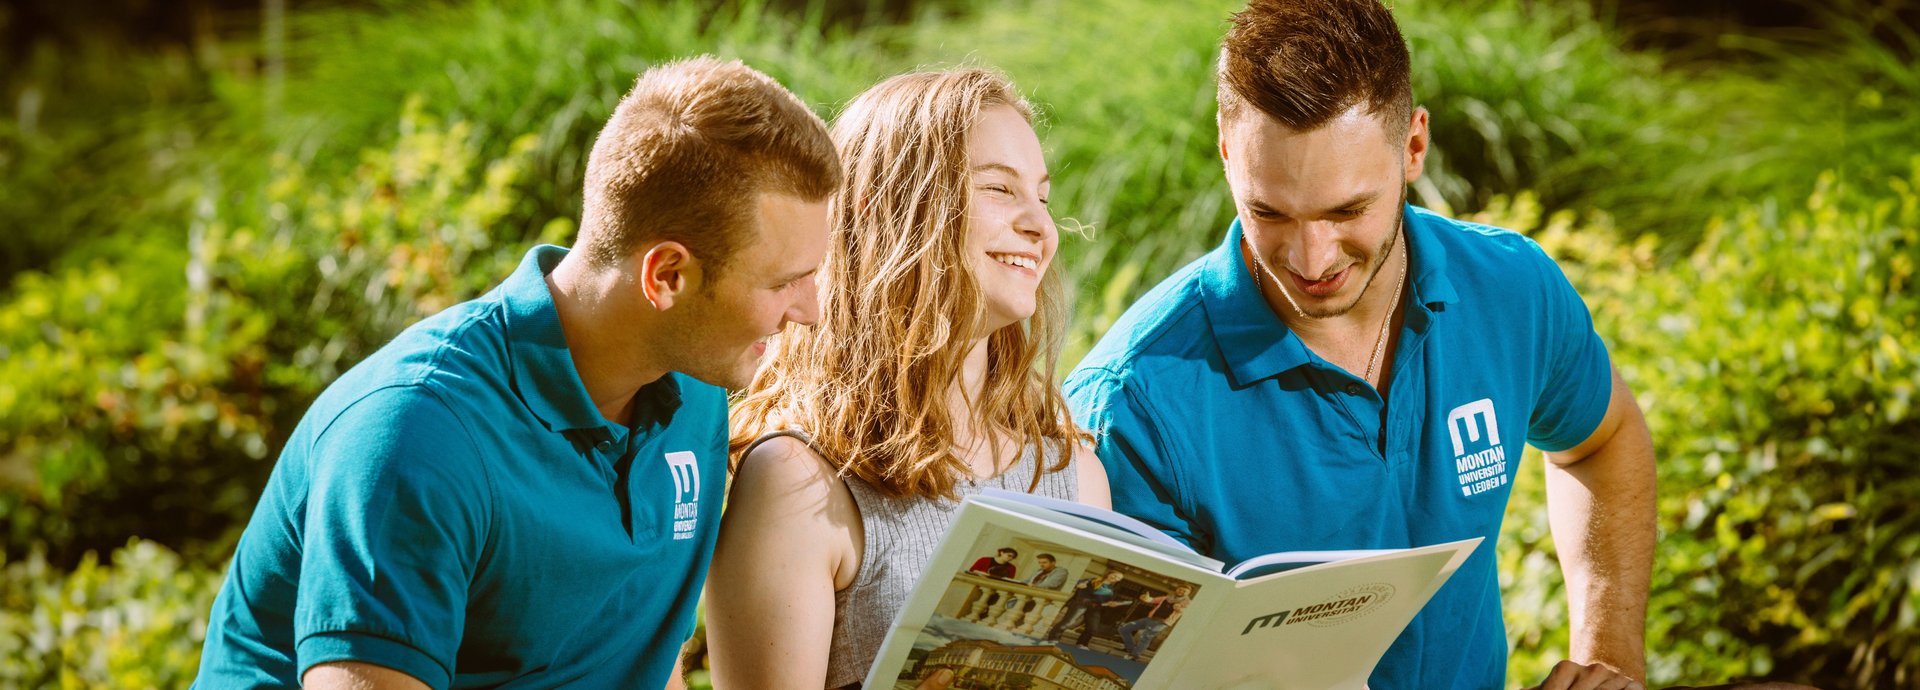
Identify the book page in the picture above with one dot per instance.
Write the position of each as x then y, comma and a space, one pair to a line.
1320, 626
1261, 566
1098, 521
1063, 628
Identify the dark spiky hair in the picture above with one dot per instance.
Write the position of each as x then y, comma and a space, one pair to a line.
1304, 62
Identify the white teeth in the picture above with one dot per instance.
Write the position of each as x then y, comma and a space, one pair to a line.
1016, 260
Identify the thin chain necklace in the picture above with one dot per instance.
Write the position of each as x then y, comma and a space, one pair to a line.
1379, 341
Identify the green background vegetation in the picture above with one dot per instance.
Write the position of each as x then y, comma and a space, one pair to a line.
198, 241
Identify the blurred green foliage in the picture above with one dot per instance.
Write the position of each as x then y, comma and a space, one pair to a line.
1778, 364
202, 261
159, 382
136, 624
97, 135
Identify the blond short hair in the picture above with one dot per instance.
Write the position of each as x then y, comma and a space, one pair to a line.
685, 153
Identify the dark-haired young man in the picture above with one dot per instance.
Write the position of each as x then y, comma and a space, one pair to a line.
1349, 371
1049, 576
524, 489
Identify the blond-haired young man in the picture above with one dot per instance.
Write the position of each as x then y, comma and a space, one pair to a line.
524, 489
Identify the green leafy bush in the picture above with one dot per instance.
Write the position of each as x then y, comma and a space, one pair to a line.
136, 624
161, 383
1778, 366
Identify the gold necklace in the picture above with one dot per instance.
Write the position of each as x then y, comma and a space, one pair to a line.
1379, 341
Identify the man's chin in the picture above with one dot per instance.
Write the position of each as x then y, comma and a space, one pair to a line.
735, 379
1328, 308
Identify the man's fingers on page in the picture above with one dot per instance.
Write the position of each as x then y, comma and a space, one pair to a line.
938, 680
1569, 675
1603, 677
1561, 676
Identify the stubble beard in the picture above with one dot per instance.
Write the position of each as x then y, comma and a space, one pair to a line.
1383, 254
699, 353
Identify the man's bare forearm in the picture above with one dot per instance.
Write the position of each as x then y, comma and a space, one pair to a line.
1601, 506
354, 675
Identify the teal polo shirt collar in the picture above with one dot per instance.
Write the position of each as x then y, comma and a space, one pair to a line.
1428, 274
1254, 341
543, 374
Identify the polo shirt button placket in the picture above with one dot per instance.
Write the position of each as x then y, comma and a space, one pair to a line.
603, 446
1354, 388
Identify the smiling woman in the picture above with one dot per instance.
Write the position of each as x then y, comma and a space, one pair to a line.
1010, 235
928, 377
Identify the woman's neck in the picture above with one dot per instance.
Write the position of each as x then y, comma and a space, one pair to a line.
978, 447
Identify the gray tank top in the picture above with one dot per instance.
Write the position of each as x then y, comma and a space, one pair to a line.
900, 535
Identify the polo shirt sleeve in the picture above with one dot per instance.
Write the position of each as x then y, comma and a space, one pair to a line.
394, 521
1131, 443
1578, 376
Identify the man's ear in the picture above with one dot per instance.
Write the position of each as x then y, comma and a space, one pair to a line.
1418, 141
668, 272
1220, 125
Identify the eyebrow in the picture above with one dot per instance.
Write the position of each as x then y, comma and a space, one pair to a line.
1357, 200
1004, 168
783, 280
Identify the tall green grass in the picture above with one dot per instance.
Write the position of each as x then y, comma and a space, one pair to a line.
94, 138
550, 70
1543, 98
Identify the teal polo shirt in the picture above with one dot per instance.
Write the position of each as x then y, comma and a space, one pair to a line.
1219, 426
456, 508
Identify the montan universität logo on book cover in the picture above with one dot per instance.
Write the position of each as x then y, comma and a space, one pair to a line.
1346, 606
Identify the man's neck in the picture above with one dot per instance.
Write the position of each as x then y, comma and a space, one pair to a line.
1347, 340
613, 363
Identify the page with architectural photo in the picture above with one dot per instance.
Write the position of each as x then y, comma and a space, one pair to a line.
1010, 601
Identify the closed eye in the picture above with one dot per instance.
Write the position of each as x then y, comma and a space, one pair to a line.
792, 283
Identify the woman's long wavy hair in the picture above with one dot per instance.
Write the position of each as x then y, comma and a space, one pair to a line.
900, 306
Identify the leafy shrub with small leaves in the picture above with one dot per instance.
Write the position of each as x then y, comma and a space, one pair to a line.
160, 384
1778, 365
136, 624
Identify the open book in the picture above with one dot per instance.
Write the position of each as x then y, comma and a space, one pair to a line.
1124, 606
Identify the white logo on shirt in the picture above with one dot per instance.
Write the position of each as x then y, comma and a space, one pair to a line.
1485, 468
686, 481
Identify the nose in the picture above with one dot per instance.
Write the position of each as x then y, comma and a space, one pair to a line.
805, 310
1316, 253
1035, 221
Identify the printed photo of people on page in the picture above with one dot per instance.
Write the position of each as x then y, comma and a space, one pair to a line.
1027, 613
